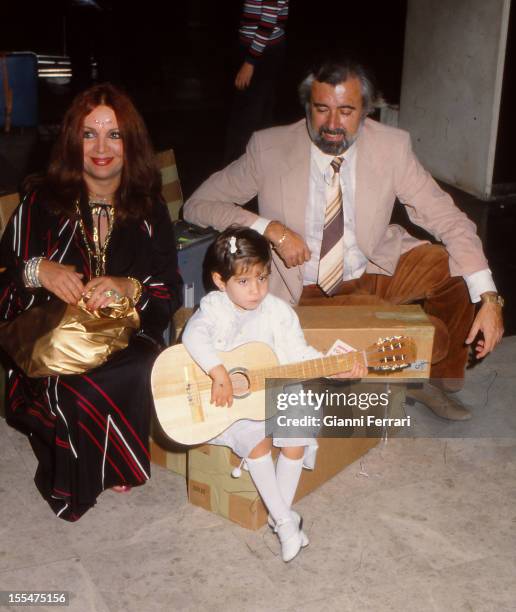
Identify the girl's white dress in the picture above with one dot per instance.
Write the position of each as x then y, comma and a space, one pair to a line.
219, 325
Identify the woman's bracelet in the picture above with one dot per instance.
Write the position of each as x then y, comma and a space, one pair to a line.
282, 239
31, 273
137, 289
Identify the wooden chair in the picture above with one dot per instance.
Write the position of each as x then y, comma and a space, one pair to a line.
172, 193
8, 203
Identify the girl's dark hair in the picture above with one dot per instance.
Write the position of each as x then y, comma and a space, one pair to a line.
251, 248
141, 179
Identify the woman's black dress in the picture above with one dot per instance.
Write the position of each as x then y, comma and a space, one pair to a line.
89, 432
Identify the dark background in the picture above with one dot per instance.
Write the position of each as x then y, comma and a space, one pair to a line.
176, 60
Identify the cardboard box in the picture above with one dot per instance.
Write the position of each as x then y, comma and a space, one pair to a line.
211, 486
165, 452
173, 460
361, 326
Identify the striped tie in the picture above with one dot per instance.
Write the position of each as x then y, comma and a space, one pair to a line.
331, 262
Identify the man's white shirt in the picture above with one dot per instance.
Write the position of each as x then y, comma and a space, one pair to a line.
355, 262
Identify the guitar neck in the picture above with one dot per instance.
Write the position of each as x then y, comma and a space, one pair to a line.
314, 368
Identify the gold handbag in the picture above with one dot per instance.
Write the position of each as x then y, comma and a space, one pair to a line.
58, 339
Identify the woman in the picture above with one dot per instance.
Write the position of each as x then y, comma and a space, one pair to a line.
95, 224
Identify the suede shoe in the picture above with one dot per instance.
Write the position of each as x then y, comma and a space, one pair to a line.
439, 402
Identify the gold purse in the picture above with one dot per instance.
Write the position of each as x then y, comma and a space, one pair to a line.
56, 338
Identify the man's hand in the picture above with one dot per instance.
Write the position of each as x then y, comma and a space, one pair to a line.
293, 250
488, 321
221, 386
244, 76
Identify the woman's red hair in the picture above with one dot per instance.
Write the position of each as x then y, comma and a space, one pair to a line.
141, 180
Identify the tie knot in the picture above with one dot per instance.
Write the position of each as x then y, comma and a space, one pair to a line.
336, 163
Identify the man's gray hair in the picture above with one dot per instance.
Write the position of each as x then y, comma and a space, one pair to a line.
333, 73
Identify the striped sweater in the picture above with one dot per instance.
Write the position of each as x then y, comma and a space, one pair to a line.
262, 24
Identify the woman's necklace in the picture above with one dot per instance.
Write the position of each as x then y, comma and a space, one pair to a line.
102, 209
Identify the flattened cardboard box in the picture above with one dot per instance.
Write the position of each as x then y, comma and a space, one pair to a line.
211, 486
361, 326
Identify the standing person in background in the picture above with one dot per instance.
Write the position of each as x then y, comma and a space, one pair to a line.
261, 55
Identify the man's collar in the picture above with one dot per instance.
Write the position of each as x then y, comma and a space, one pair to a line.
323, 160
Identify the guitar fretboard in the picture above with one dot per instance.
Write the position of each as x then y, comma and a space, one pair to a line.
306, 370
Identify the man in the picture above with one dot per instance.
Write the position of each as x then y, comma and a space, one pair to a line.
325, 252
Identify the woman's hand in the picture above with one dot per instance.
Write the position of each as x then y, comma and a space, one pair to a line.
105, 289
357, 371
221, 386
63, 281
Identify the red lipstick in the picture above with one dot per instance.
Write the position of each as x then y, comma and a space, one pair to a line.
101, 161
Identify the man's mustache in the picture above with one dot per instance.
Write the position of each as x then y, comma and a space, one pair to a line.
335, 132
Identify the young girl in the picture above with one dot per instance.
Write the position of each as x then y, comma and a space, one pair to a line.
242, 311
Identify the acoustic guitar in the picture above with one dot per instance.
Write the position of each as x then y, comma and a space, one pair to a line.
182, 391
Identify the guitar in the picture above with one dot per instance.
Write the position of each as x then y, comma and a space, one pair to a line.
182, 391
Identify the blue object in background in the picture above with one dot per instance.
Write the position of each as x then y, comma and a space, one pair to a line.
192, 244
22, 74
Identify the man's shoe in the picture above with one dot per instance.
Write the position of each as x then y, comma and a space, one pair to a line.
439, 402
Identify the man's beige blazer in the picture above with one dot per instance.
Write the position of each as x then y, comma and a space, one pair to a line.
276, 167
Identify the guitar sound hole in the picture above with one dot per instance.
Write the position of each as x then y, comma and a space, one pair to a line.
240, 382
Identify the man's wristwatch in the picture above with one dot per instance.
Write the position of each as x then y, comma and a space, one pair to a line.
491, 297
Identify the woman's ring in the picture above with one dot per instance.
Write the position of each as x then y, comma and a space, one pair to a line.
109, 293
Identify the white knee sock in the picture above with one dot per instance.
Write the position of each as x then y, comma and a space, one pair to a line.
264, 477
288, 473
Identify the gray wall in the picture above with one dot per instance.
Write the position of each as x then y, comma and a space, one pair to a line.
450, 96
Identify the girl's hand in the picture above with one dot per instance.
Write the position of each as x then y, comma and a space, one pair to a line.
357, 371
63, 281
106, 289
221, 386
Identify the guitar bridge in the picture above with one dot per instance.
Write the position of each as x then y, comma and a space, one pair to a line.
193, 396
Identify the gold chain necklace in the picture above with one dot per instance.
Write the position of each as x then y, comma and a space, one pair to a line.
98, 253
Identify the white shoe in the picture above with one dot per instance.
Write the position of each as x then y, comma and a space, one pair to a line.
298, 520
290, 538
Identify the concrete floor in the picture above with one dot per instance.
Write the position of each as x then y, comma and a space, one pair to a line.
417, 525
